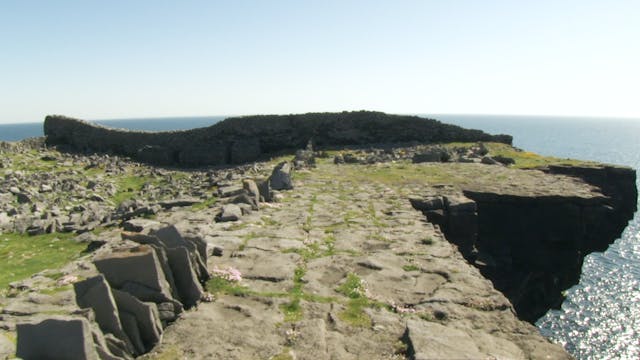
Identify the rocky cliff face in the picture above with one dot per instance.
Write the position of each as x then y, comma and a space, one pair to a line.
245, 139
531, 243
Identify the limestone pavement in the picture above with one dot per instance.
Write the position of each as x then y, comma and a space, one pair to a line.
344, 270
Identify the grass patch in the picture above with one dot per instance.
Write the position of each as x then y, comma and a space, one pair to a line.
128, 187
22, 256
205, 204
352, 287
527, 159
268, 221
55, 290
292, 310
217, 285
354, 314
284, 355
410, 267
170, 352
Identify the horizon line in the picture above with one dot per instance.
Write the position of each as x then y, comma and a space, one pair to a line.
169, 117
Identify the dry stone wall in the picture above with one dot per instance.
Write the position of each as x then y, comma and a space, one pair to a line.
246, 139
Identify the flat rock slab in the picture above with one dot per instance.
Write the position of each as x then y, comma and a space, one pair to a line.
61, 338
430, 340
220, 331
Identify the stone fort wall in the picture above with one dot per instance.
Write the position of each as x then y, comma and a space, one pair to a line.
245, 139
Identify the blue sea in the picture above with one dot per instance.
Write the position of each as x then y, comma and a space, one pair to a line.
15, 132
600, 319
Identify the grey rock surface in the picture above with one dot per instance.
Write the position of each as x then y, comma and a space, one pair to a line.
61, 338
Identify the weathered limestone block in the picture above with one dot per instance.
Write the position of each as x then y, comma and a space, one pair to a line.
264, 187
136, 269
187, 283
171, 237
252, 190
148, 324
462, 223
159, 248
62, 338
280, 178
230, 190
230, 212
96, 294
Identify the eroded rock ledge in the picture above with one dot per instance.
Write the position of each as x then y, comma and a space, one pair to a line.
245, 139
531, 241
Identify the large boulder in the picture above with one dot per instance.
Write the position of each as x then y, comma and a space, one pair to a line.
68, 338
229, 212
280, 178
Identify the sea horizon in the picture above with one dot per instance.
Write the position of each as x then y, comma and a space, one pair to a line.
430, 115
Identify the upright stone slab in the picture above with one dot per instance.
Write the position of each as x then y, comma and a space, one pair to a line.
56, 339
171, 237
136, 268
96, 294
149, 326
185, 277
161, 253
251, 188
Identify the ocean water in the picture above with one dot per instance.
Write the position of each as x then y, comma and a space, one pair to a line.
600, 319
15, 132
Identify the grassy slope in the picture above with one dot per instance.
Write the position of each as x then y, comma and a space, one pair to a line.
22, 256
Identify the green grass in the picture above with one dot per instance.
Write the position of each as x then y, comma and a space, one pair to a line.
268, 221
354, 313
128, 187
205, 204
22, 256
217, 285
315, 250
284, 355
352, 287
292, 310
526, 159
410, 267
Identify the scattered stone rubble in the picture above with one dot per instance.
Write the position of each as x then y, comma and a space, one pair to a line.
422, 153
64, 196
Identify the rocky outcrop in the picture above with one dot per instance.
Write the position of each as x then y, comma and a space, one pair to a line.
245, 139
532, 246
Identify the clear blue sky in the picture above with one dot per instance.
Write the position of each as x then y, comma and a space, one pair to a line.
97, 59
